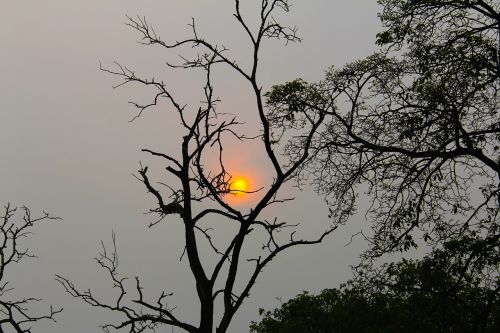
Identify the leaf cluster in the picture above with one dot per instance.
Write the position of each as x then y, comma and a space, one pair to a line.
427, 295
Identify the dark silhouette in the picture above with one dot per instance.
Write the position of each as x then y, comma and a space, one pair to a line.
416, 124
415, 296
203, 192
15, 314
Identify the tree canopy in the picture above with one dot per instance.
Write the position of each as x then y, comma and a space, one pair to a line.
428, 295
416, 125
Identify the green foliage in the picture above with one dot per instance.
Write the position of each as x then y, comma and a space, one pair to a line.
288, 96
420, 296
417, 123
304, 313
294, 104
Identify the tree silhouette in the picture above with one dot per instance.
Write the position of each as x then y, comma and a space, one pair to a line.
15, 314
203, 192
428, 295
416, 124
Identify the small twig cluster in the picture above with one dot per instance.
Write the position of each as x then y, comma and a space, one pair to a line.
15, 314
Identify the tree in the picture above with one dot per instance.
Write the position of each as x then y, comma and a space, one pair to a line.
415, 124
203, 192
428, 295
416, 127
14, 314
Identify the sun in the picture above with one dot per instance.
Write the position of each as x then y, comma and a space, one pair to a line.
239, 186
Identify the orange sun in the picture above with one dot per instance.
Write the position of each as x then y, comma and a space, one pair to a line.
239, 186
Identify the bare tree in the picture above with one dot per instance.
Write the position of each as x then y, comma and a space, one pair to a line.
206, 132
14, 314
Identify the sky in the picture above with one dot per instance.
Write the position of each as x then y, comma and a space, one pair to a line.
68, 147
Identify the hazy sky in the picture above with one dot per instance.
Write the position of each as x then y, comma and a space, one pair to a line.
66, 144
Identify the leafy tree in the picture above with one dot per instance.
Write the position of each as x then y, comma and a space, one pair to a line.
415, 124
416, 127
14, 314
428, 295
202, 192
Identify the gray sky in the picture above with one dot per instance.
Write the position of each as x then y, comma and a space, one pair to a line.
67, 145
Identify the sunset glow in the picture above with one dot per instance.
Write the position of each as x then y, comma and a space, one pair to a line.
239, 185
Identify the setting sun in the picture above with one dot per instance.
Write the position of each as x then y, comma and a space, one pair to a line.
239, 185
